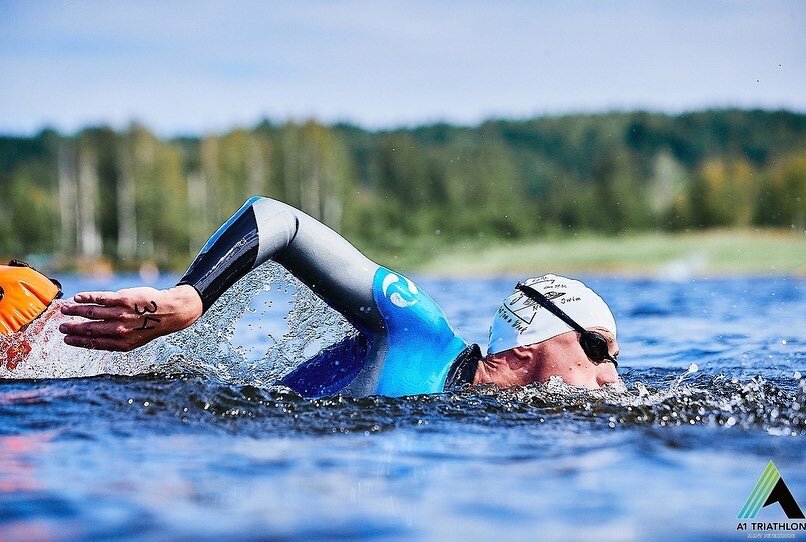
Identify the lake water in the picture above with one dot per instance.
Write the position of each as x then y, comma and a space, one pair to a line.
188, 440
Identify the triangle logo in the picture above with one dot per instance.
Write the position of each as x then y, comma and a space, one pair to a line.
770, 489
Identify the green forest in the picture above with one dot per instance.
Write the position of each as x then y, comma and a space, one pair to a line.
126, 197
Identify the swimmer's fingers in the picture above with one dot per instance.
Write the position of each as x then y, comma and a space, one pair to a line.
97, 343
106, 299
96, 328
92, 311
100, 335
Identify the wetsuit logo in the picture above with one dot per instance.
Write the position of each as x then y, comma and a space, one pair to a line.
401, 292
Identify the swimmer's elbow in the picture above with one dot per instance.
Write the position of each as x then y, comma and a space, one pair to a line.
252, 200
266, 206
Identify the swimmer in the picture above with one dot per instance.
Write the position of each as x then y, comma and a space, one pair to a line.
548, 326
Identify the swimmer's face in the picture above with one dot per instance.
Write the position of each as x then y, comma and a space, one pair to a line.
563, 356
560, 356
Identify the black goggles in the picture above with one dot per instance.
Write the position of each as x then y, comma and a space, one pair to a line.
593, 343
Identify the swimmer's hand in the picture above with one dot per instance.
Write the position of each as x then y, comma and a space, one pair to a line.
129, 318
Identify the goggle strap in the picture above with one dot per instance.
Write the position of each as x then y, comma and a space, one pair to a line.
547, 304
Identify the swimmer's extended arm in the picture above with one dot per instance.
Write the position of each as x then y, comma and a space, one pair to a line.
262, 229
265, 229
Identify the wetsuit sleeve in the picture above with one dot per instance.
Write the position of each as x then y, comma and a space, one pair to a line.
265, 229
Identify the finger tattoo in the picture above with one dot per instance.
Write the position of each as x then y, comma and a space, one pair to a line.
148, 321
145, 308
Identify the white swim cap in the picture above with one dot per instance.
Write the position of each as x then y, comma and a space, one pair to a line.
519, 321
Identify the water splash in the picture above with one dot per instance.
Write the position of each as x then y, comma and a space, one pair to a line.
716, 404
39, 352
692, 368
205, 348
709, 401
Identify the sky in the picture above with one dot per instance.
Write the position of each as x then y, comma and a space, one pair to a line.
191, 67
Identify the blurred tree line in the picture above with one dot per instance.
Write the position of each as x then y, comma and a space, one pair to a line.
128, 197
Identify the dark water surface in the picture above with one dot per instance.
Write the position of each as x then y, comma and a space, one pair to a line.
191, 441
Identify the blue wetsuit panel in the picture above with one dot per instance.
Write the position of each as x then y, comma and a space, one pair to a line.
420, 347
421, 343
331, 370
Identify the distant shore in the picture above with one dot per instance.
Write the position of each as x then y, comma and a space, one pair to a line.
679, 255
665, 255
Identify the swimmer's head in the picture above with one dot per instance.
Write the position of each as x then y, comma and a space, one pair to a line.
531, 341
24, 295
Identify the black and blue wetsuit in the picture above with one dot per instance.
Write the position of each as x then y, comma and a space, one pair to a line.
405, 345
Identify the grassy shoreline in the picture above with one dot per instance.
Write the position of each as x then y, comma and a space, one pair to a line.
679, 255
651, 254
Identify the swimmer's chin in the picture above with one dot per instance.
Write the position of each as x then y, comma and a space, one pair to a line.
557, 382
554, 383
